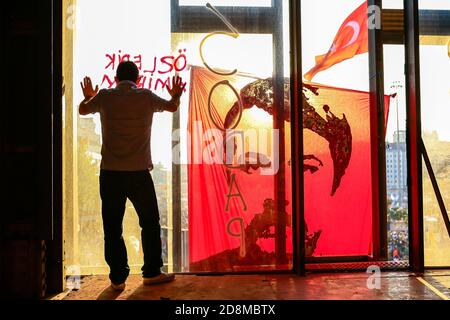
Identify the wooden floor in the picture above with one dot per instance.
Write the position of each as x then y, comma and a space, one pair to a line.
433, 285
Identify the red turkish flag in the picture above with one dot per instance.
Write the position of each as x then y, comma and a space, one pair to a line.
350, 40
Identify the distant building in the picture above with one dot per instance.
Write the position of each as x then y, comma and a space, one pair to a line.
400, 136
430, 137
396, 171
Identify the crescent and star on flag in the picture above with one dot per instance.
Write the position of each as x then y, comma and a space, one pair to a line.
339, 52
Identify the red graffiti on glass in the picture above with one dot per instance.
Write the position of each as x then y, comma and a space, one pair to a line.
155, 78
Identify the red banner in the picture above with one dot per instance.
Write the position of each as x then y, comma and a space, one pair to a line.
232, 216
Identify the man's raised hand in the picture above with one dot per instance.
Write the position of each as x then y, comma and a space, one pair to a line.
88, 89
177, 87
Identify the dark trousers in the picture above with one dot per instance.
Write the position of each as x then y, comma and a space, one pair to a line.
115, 188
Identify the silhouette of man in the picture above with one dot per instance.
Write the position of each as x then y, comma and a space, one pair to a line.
126, 114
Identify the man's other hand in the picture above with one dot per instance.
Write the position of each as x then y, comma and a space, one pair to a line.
88, 89
177, 87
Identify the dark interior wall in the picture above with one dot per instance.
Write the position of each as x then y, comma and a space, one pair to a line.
25, 51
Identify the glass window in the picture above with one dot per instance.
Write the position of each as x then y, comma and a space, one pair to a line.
397, 189
94, 46
227, 211
425, 4
435, 99
392, 4
228, 3
337, 184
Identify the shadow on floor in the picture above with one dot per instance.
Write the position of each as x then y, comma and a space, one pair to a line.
109, 294
345, 286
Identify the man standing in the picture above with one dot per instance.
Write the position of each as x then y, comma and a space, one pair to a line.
126, 114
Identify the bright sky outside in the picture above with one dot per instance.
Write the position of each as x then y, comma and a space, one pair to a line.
143, 27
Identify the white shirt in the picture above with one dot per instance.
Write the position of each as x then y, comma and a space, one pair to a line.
126, 115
